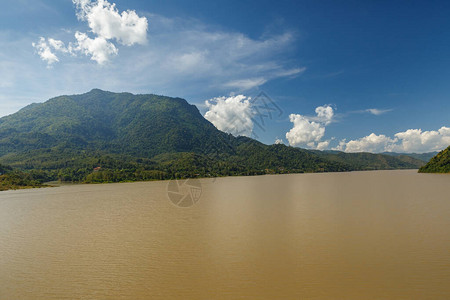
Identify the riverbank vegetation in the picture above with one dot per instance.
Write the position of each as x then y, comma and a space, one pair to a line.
13, 179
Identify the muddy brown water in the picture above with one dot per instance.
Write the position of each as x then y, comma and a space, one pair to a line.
358, 235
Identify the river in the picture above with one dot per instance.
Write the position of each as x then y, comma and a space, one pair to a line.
357, 235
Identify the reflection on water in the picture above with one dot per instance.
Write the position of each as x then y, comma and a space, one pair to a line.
361, 235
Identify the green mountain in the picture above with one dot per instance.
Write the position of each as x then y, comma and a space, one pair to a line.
139, 125
438, 164
102, 136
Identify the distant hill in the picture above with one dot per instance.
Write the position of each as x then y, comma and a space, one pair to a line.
370, 161
438, 164
103, 136
421, 156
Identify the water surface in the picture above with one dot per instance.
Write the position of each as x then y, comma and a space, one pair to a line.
359, 235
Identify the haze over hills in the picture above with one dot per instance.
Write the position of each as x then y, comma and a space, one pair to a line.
372, 161
421, 156
140, 137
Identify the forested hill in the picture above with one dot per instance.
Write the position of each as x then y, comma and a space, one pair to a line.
371, 161
420, 156
139, 125
438, 164
105, 136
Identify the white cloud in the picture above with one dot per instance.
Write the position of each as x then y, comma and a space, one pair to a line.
184, 48
304, 131
105, 21
377, 112
184, 57
323, 145
232, 115
308, 131
325, 114
279, 141
371, 143
58, 45
45, 52
290, 72
246, 84
409, 141
99, 49
416, 140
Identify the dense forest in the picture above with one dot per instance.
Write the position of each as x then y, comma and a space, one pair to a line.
112, 137
438, 164
14, 179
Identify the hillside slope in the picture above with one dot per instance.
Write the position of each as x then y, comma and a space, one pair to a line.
438, 164
134, 137
141, 125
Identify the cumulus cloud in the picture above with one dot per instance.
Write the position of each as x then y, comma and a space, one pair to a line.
45, 52
105, 21
409, 141
278, 141
231, 114
99, 49
304, 132
416, 140
107, 25
325, 114
308, 131
371, 143
323, 145
58, 45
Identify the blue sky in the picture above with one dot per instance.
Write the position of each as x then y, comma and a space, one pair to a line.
349, 75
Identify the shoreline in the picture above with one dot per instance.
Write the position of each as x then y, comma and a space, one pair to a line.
56, 184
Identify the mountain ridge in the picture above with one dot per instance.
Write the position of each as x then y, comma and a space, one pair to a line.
123, 133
